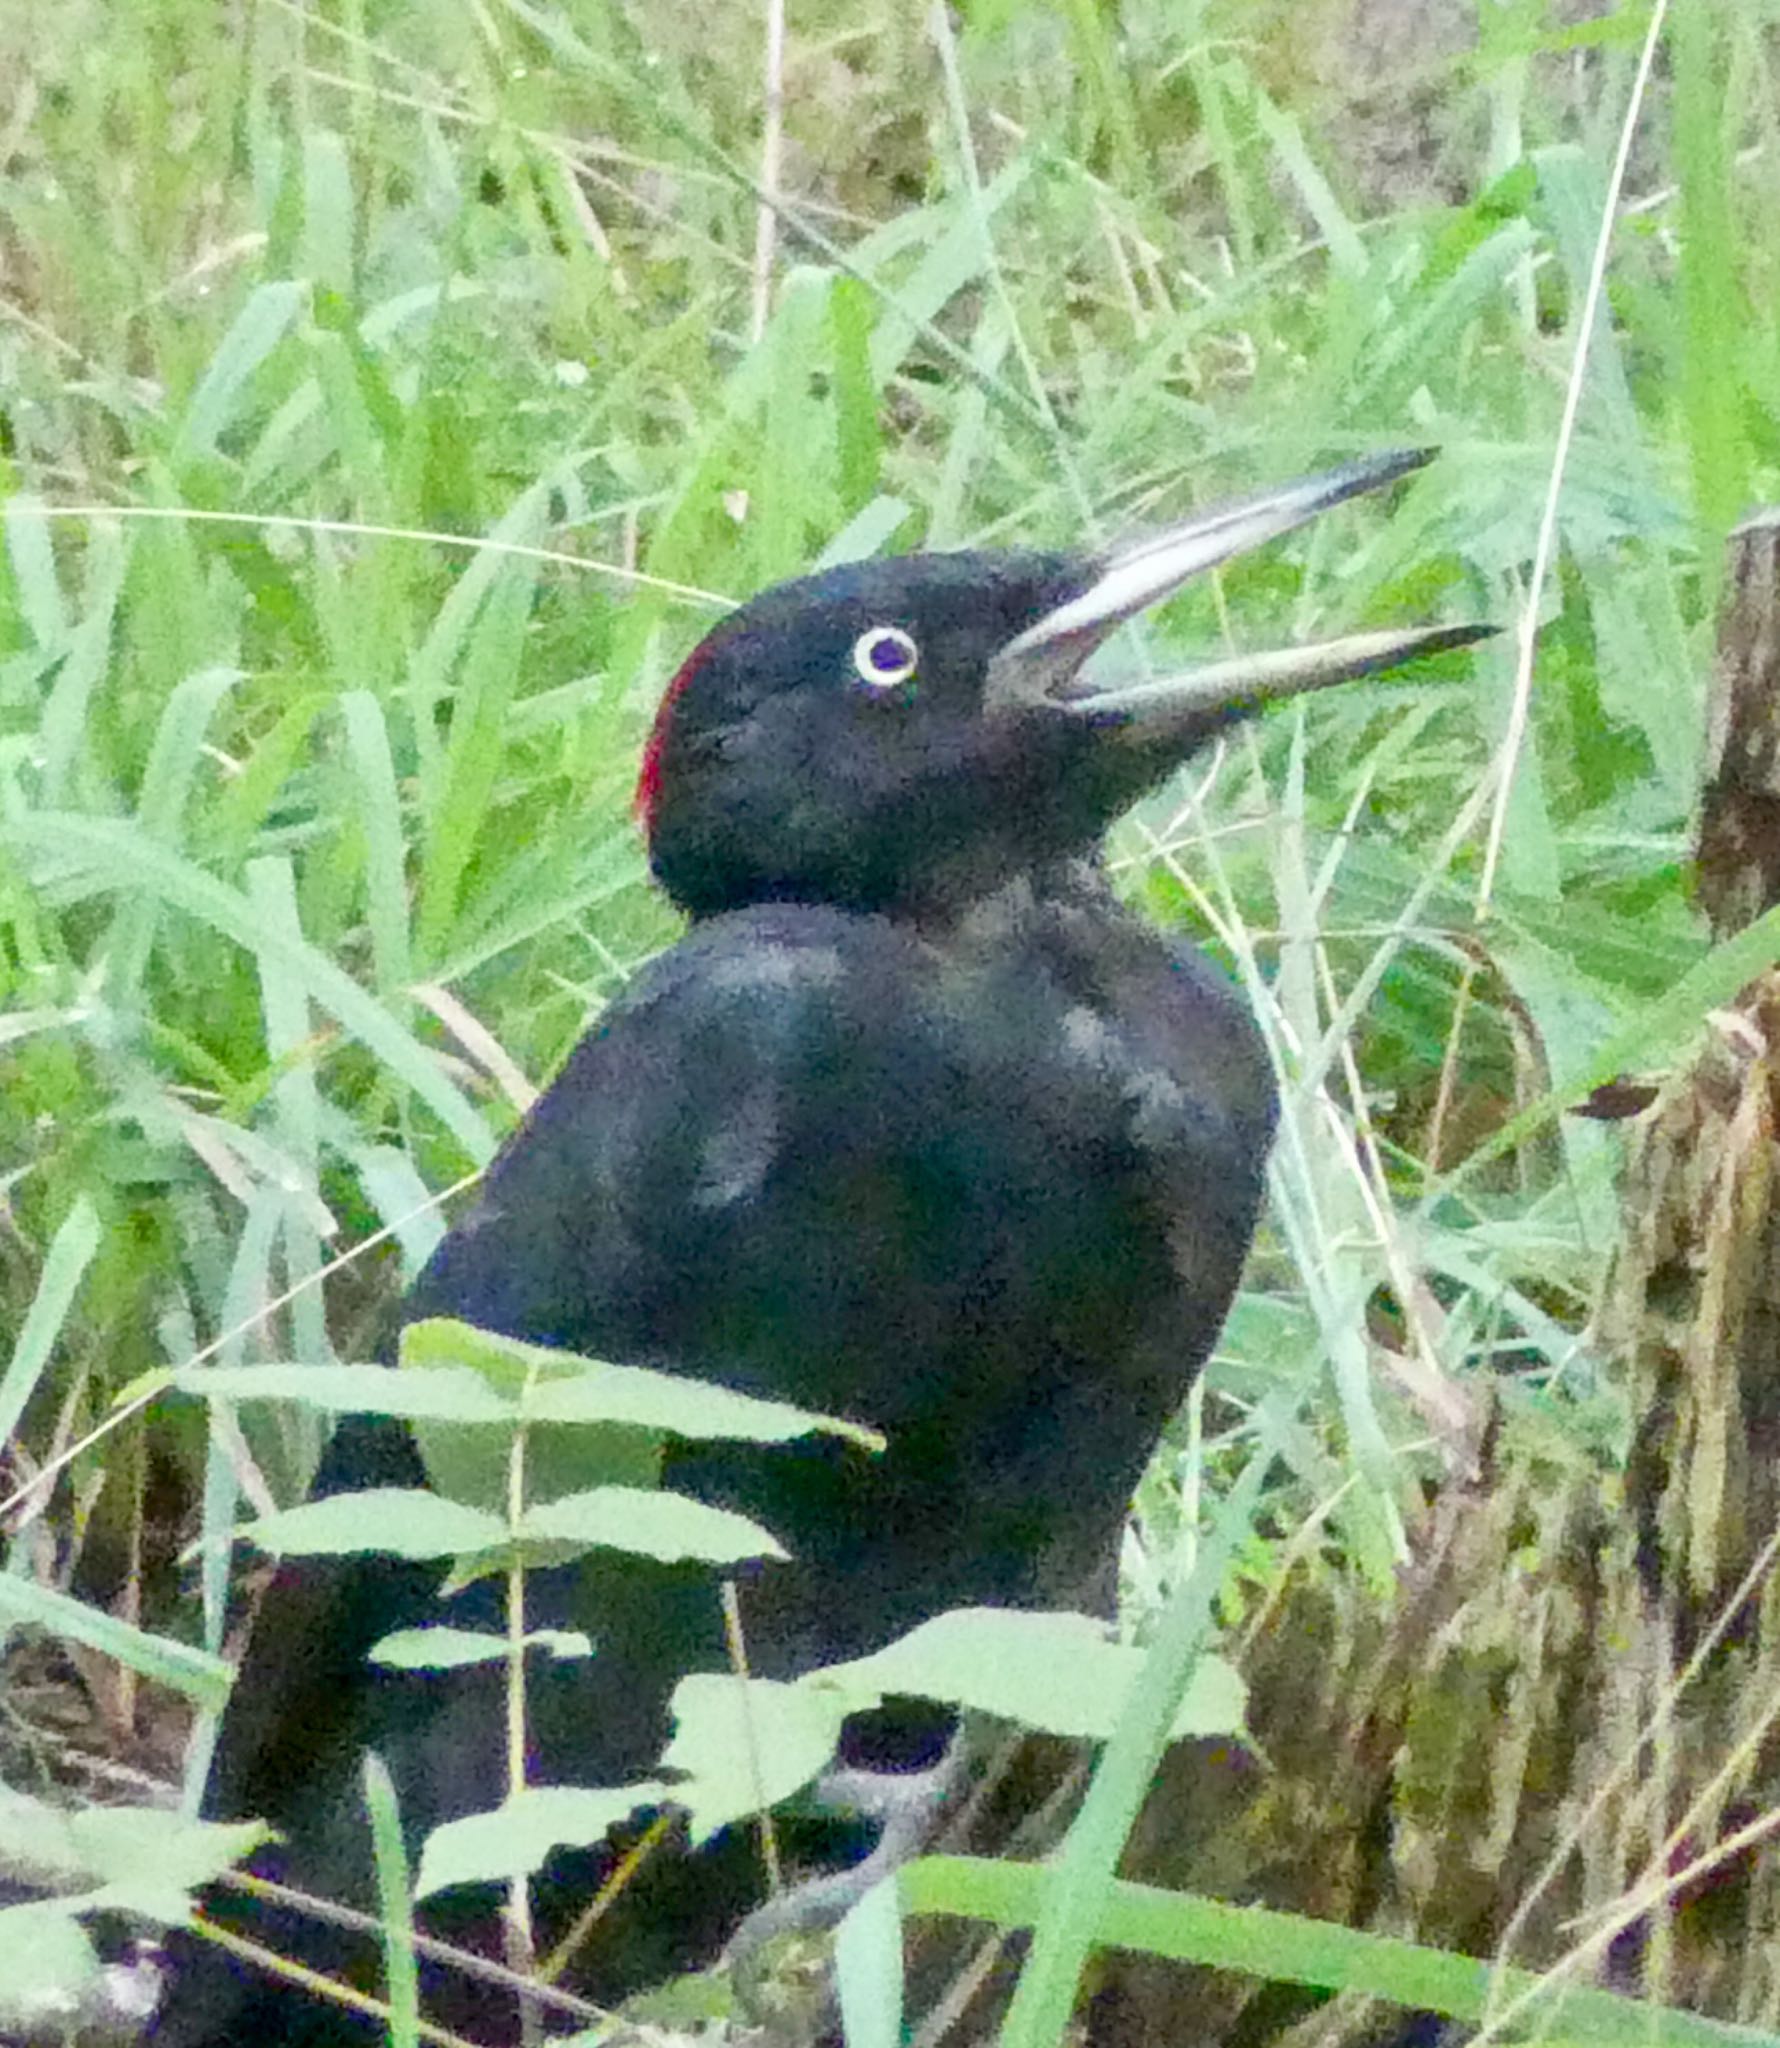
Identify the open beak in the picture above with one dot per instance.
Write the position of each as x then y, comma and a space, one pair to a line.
1043, 665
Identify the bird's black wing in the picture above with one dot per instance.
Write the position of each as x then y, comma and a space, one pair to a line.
812, 1157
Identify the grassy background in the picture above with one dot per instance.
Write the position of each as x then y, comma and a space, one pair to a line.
391, 394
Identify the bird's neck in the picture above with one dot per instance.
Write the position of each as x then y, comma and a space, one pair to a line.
964, 907
990, 917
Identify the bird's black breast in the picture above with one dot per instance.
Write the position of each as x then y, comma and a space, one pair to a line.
987, 1190
987, 1187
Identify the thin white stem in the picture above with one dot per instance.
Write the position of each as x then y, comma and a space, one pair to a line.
290, 522
772, 154
519, 1904
1546, 545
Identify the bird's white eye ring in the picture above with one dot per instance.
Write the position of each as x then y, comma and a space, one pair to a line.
884, 656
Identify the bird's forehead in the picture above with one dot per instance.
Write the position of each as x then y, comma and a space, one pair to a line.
982, 595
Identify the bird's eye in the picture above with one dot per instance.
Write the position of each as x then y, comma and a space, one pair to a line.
885, 656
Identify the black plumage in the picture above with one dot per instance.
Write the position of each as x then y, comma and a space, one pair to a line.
918, 1124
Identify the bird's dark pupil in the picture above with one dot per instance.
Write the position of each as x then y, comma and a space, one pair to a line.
888, 652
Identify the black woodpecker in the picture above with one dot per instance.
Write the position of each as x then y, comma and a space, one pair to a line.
917, 1123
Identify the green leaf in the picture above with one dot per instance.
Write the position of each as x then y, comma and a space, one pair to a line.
1346, 248
327, 209
430, 671
450, 1394
1658, 1034
665, 1526
51, 1969
747, 1744
471, 1464
1574, 189
488, 677
1063, 1674
1064, 1935
145, 1855
867, 533
684, 1407
852, 314
451, 1649
242, 804
570, 1388
1411, 351
132, 1858
795, 490
380, 820
954, 258
521, 1836
405, 1521
1710, 354
401, 1198
166, 786
65, 728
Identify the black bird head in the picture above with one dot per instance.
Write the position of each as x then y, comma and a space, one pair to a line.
907, 731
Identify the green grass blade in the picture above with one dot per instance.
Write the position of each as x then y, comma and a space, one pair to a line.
473, 757
1710, 361
1068, 1922
166, 785
379, 820
198, 1676
1655, 1037
268, 316
64, 727
271, 889
64, 1266
394, 1904
102, 855
1286, 1948
33, 560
